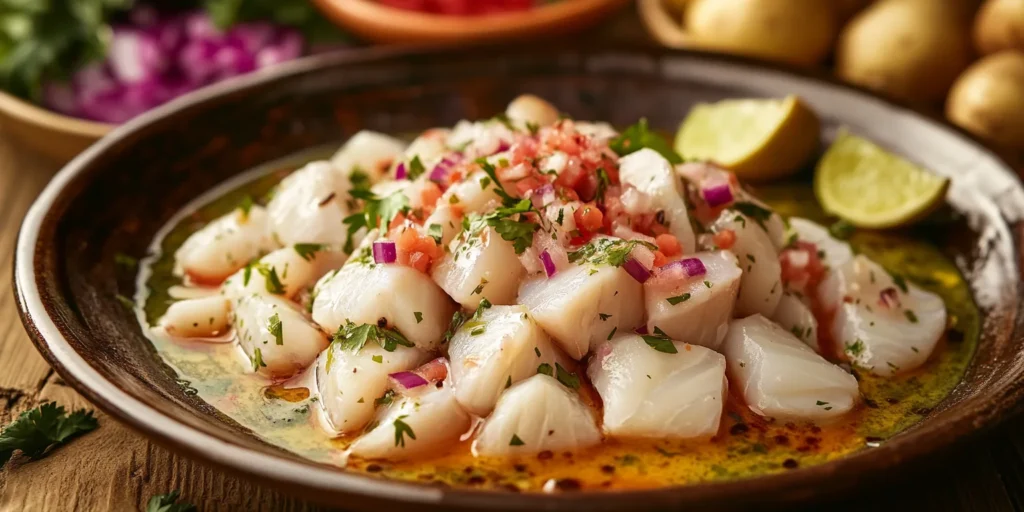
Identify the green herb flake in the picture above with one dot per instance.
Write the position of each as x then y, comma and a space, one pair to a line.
308, 251
257, 360
604, 316
679, 298
639, 136
403, 429
516, 441
36, 430
508, 383
353, 337
276, 329
856, 348
379, 359
660, 341
759, 213
567, 378
416, 168
910, 316
545, 369
436, 232
841, 229
245, 206
168, 503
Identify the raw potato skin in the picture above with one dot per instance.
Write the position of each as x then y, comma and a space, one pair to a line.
988, 100
999, 26
796, 32
907, 49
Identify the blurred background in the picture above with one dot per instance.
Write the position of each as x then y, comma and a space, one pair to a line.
71, 70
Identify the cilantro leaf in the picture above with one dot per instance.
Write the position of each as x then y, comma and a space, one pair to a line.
257, 360
308, 251
245, 206
377, 212
639, 136
168, 503
607, 251
545, 368
516, 441
402, 429
567, 378
492, 173
269, 274
436, 232
508, 222
353, 337
660, 341
38, 429
416, 168
754, 211
276, 329
841, 229
679, 298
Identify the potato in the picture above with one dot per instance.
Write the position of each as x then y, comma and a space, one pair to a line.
988, 99
911, 50
999, 26
791, 31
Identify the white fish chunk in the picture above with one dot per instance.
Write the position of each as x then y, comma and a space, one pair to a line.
284, 272
448, 219
529, 110
651, 174
428, 423
583, 304
596, 130
501, 347
694, 309
369, 152
781, 377
225, 245
534, 415
833, 252
479, 264
886, 335
474, 194
276, 335
429, 147
349, 382
795, 316
648, 393
204, 317
310, 204
363, 292
761, 285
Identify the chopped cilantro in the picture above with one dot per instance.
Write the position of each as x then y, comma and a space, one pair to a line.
458, 318
708, 284
493, 174
273, 283
754, 211
545, 369
900, 282
841, 229
386, 399
379, 359
377, 211
257, 360
353, 337
276, 329
660, 341
38, 429
910, 316
678, 298
567, 378
245, 206
480, 287
436, 232
403, 429
416, 168
610, 251
612, 333
507, 222
604, 316
308, 251
856, 348
418, 315
516, 441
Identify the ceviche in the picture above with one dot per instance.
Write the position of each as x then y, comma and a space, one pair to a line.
532, 302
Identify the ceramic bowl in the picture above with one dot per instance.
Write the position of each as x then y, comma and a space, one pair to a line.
383, 24
116, 195
54, 135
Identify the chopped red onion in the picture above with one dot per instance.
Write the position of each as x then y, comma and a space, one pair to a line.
641, 330
549, 264
408, 380
440, 172
135, 56
693, 267
384, 251
717, 195
400, 172
889, 298
636, 270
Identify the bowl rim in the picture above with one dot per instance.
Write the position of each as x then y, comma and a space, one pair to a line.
370, 19
29, 113
297, 475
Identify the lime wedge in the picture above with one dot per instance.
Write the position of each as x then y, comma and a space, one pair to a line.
871, 188
758, 139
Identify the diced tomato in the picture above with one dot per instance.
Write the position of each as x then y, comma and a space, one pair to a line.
809, 274
396, 222
589, 218
429, 196
660, 259
725, 239
668, 244
529, 183
416, 250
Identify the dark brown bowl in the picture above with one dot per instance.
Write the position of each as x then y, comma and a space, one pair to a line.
114, 197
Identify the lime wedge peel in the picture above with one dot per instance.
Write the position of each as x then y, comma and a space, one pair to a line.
869, 187
758, 139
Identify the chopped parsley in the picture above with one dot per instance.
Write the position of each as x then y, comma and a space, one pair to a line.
708, 284
416, 168
841, 229
276, 329
353, 337
546, 369
257, 360
660, 341
386, 399
607, 251
507, 221
910, 316
678, 298
480, 287
403, 429
516, 441
900, 282
537, 351
856, 348
273, 283
245, 206
612, 333
38, 429
639, 136
418, 315
604, 316
379, 359
377, 211
493, 174
458, 318
436, 232
308, 251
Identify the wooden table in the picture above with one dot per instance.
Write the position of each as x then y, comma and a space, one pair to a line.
117, 469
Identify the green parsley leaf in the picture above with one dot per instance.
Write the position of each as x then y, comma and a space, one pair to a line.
639, 136
269, 274
257, 360
436, 232
377, 212
386, 399
402, 429
819, 402
493, 174
168, 503
856, 348
607, 251
308, 251
545, 368
678, 298
246, 206
353, 337
567, 378
38, 429
359, 179
841, 229
276, 329
516, 441
754, 211
604, 316
379, 359
900, 282
910, 316
458, 318
660, 341
418, 315
416, 168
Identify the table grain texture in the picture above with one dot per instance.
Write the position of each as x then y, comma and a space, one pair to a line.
117, 469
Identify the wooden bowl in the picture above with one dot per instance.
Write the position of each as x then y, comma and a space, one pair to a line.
68, 278
384, 24
55, 135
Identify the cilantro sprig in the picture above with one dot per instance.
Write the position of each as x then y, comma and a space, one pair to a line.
36, 430
660, 341
639, 136
508, 221
377, 212
607, 251
168, 503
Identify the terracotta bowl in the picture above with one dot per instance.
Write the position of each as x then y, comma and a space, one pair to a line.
55, 135
383, 24
67, 279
